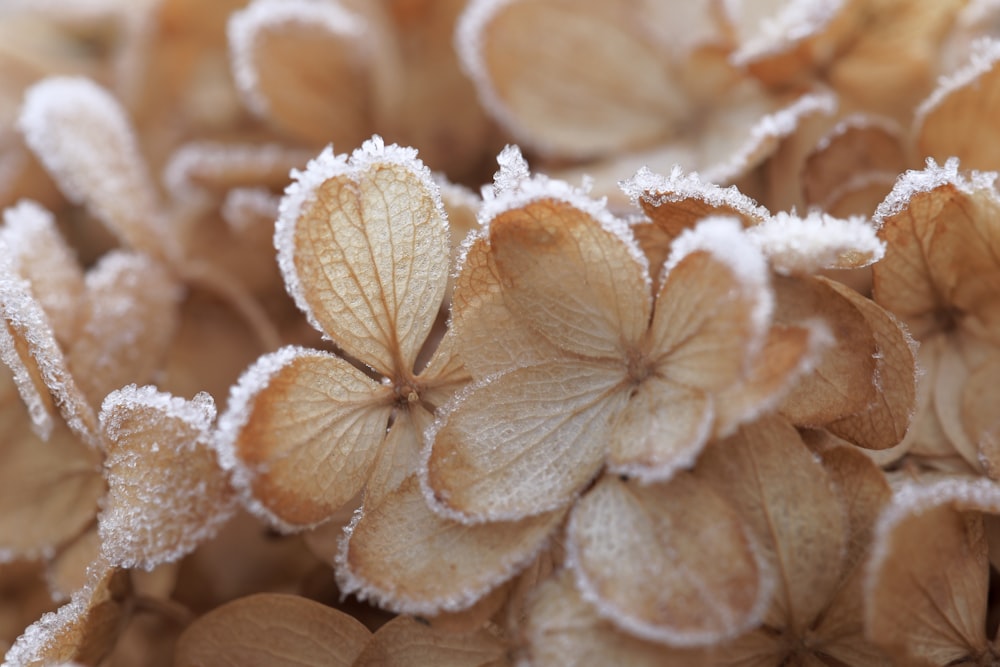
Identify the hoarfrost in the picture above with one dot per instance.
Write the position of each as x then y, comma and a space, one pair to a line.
816, 241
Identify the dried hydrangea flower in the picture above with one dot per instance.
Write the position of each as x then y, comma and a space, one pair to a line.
404, 642
363, 244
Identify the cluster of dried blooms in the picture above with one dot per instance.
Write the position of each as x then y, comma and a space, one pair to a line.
713, 382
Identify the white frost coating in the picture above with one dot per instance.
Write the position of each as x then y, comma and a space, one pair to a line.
198, 413
244, 208
985, 53
772, 127
933, 176
514, 187
725, 239
247, 24
23, 222
180, 176
796, 21
302, 192
254, 380
656, 189
797, 245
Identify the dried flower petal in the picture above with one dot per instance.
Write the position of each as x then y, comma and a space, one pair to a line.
404, 642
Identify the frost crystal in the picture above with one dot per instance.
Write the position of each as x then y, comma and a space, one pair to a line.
817, 241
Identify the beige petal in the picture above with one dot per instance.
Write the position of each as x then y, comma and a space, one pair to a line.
594, 300
84, 630
42, 256
305, 67
363, 245
405, 642
639, 553
399, 456
573, 79
301, 433
198, 168
272, 629
68, 571
787, 499
523, 443
445, 373
926, 598
942, 246
489, 337
410, 560
166, 491
842, 383
48, 490
130, 319
661, 430
81, 134
564, 629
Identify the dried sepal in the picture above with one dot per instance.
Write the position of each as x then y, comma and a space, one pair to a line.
404, 642
67, 572
638, 554
446, 565
804, 245
166, 490
296, 411
201, 168
83, 137
272, 629
83, 630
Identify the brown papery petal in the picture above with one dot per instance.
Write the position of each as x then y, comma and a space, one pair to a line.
926, 598
129, 321
574, 79
305, 67
166, 490
787, 499
301, 433
81, 134
639, 553
272, 630
445, 373
364, 247
408, 559
564, 629
981, 413
405, 642
525, 442
887, 420
958, 119
578, 283
399, 456
41, 255
84, 630
841, 383
67, 572
490, 338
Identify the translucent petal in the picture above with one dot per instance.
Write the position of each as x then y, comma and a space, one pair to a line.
166, 490
445, 373
639, 553
272, 629
363, 245
594, 300
404, 642
399, 456
301, 433
410, 560
522, 443
804, 245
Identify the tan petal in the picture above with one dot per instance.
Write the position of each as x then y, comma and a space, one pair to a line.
130, 320
405, 642
408, 559
68, 571
84, 630
804, 245
713, 309
661, 430
885, 423
363, 245
981, 414
926, 598
81, 134
301, 433
445, 373
958, 118
489, 337
576, 79
399, 456
166, 491
198, 168
523, 443
841, 384
594, 300
787, 499
639, 554
272, 629
942, 243
564, 629
305, 67
43, 257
